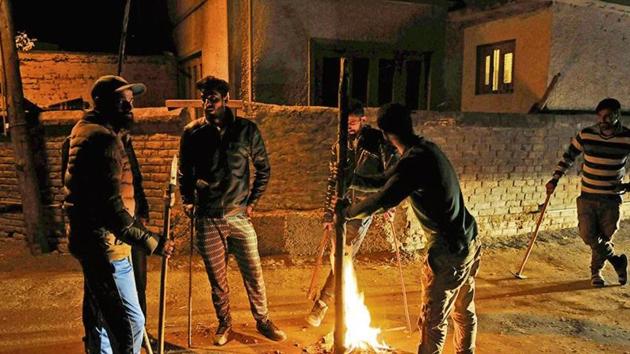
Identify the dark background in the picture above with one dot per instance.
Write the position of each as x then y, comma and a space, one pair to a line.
94, 25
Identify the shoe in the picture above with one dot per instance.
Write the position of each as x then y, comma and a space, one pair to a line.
620, 263
597, 281
222, 335
317, 313
269, 330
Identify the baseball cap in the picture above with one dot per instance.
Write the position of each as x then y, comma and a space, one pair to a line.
106, 86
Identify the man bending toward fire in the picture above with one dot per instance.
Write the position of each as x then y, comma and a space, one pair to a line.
425, 175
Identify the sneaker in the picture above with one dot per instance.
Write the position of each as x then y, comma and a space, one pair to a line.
317, 313
620, 263
222, 335
269, 330
597, 281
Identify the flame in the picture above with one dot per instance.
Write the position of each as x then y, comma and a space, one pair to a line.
359, 335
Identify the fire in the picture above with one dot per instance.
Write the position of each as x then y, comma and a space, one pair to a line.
359, 336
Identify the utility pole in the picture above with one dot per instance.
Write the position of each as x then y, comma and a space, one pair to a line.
123, 37
340, 224
19, 130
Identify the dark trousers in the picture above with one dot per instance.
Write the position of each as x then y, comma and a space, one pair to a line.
216, 239
355, 234
598, 221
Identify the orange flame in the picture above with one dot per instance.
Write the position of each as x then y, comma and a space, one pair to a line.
360, 336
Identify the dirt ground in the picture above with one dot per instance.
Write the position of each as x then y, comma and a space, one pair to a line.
553, 311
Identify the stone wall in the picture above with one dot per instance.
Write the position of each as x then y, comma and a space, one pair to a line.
503, 161
51, 77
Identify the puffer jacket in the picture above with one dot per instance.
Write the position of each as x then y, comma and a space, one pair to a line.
370, 154
97, 179
219, 159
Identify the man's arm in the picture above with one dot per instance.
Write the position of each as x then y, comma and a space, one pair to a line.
119, 221
568, 158
262, 167
372, 183
399, 186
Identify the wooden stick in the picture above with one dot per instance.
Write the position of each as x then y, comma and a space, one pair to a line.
519, 274
339, 334
312, 293
402, 279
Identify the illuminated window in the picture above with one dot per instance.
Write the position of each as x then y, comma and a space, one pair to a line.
495, 68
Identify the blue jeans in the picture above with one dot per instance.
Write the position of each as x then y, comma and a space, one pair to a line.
112, 316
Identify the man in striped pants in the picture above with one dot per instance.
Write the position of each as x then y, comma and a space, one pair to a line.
214, 160
606, 146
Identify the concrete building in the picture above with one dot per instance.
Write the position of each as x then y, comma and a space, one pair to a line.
489, 56
510, 54
290, 49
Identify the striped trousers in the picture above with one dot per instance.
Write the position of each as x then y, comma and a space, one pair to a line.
216, 239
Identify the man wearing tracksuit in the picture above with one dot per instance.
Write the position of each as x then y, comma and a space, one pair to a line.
214, 160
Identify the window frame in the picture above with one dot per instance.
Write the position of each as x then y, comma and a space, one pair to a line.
373, 52
485, 50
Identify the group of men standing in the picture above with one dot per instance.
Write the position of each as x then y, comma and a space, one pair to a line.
107, 210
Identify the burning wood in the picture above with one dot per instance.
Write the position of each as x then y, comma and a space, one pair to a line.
360, 336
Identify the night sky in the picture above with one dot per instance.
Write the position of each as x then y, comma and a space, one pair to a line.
94, 25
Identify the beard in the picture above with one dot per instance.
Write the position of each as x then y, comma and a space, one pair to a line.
122, 120
608, 128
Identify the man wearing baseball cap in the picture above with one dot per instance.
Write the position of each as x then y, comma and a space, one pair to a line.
99, 202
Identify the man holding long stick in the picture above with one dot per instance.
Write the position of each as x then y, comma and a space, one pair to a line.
99, 203
368, 153
426, 176
214, 159
606, 146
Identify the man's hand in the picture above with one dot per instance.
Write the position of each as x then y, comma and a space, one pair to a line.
389, 215
249, 211
189, 210
551, 186
622, 187
165, 249
329, 226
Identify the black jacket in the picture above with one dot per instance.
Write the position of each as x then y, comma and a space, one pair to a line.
93, 199
426, 176
371, 155
220, 161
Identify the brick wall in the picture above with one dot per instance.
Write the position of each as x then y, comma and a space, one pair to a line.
503, 161
51, 77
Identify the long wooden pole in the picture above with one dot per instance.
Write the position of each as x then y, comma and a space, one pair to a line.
169, 200
340, 224
23, 148
519, 274
123, 37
